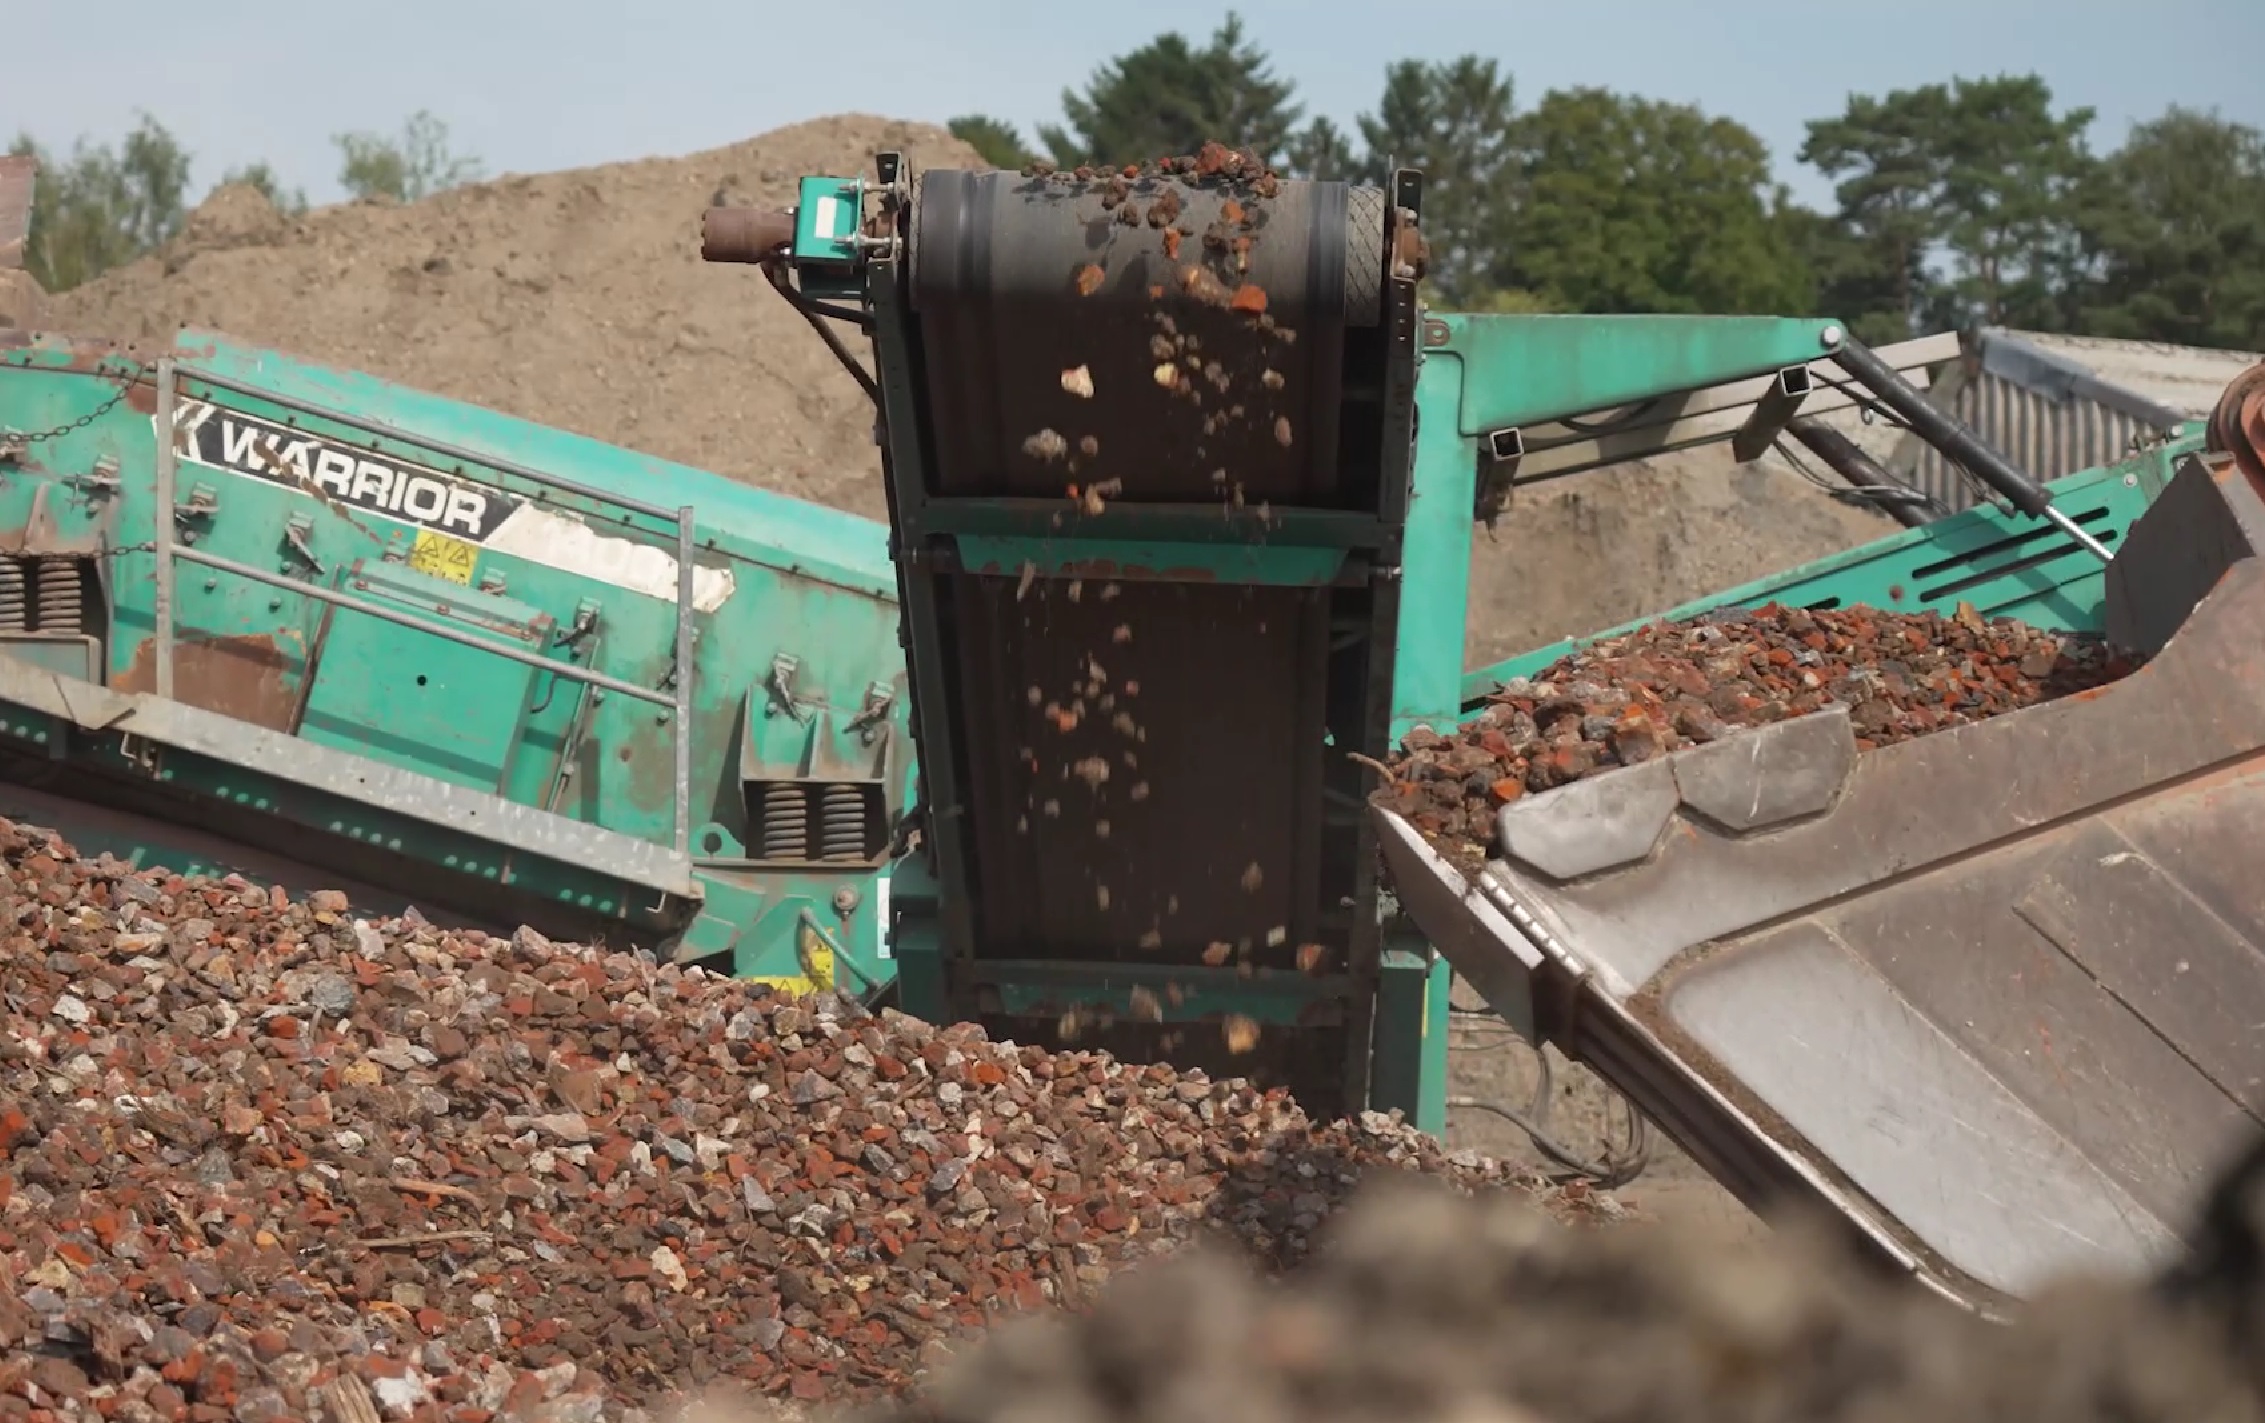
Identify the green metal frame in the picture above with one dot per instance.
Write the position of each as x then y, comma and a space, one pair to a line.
254, 557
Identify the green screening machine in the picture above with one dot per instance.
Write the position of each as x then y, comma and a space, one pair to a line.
1182, 478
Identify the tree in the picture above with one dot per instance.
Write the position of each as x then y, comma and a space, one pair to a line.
1452, 121
416, 165
2173, 224
104, 207
1629, 205
262, 177
1322, 152
994, 140
1886, 156
2011, 168
1979, 171
1168, 97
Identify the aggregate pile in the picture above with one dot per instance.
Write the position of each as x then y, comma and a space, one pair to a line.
1627, 699
1428, 1309
263, 1159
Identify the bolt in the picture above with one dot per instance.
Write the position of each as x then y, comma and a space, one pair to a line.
1829, 337
845, 901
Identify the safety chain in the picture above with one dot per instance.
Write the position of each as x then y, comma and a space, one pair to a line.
41, 437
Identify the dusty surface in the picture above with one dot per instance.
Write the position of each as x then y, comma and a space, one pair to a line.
258, 1156
1422, 1307
1487, 1062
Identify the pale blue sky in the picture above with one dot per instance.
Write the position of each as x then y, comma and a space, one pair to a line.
565, 83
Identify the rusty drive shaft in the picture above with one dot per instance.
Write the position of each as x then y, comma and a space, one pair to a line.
745, 235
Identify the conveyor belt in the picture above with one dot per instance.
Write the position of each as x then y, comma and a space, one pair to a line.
995, 285
1163, 441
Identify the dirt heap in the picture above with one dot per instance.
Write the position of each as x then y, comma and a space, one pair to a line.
260, 1157
577, 299
1574, 556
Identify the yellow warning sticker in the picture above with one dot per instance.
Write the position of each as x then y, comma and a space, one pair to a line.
444, 557
814, 955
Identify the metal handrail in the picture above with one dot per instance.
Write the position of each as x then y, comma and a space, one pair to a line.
678, 698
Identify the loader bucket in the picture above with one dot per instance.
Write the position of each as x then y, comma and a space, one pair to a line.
1996, 996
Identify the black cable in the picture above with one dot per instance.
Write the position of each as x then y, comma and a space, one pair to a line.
1873, 493
1874, 412
1614, 1170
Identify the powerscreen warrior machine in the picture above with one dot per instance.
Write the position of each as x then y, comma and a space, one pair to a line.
1182, 480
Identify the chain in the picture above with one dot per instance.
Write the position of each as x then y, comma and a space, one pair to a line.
82, 422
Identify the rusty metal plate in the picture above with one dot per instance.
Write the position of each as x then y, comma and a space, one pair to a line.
1996, 995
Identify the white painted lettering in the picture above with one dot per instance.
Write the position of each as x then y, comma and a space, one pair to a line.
425, 500
335, 472
237, 443
371, 481
467, 510
291, 456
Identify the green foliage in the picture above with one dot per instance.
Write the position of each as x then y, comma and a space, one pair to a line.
1322, 151
995, 139
104, 207
1886, 158
1453, 122
1168, 97
2173, 230
415, 165
261, 177
1630, 205
1980, 172
2010, 171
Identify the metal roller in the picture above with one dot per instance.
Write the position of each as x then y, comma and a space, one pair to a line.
2237, 424
1001, 263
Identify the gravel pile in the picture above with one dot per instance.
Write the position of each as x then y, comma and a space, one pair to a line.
266, 1160
1430, 1309
1665, 686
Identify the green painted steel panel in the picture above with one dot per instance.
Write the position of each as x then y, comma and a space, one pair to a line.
777, 577
1528, 369
417, 701
1264, 565
737, 520
1435, 552
826, 220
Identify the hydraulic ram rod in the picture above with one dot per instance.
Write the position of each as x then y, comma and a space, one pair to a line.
1949, 434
